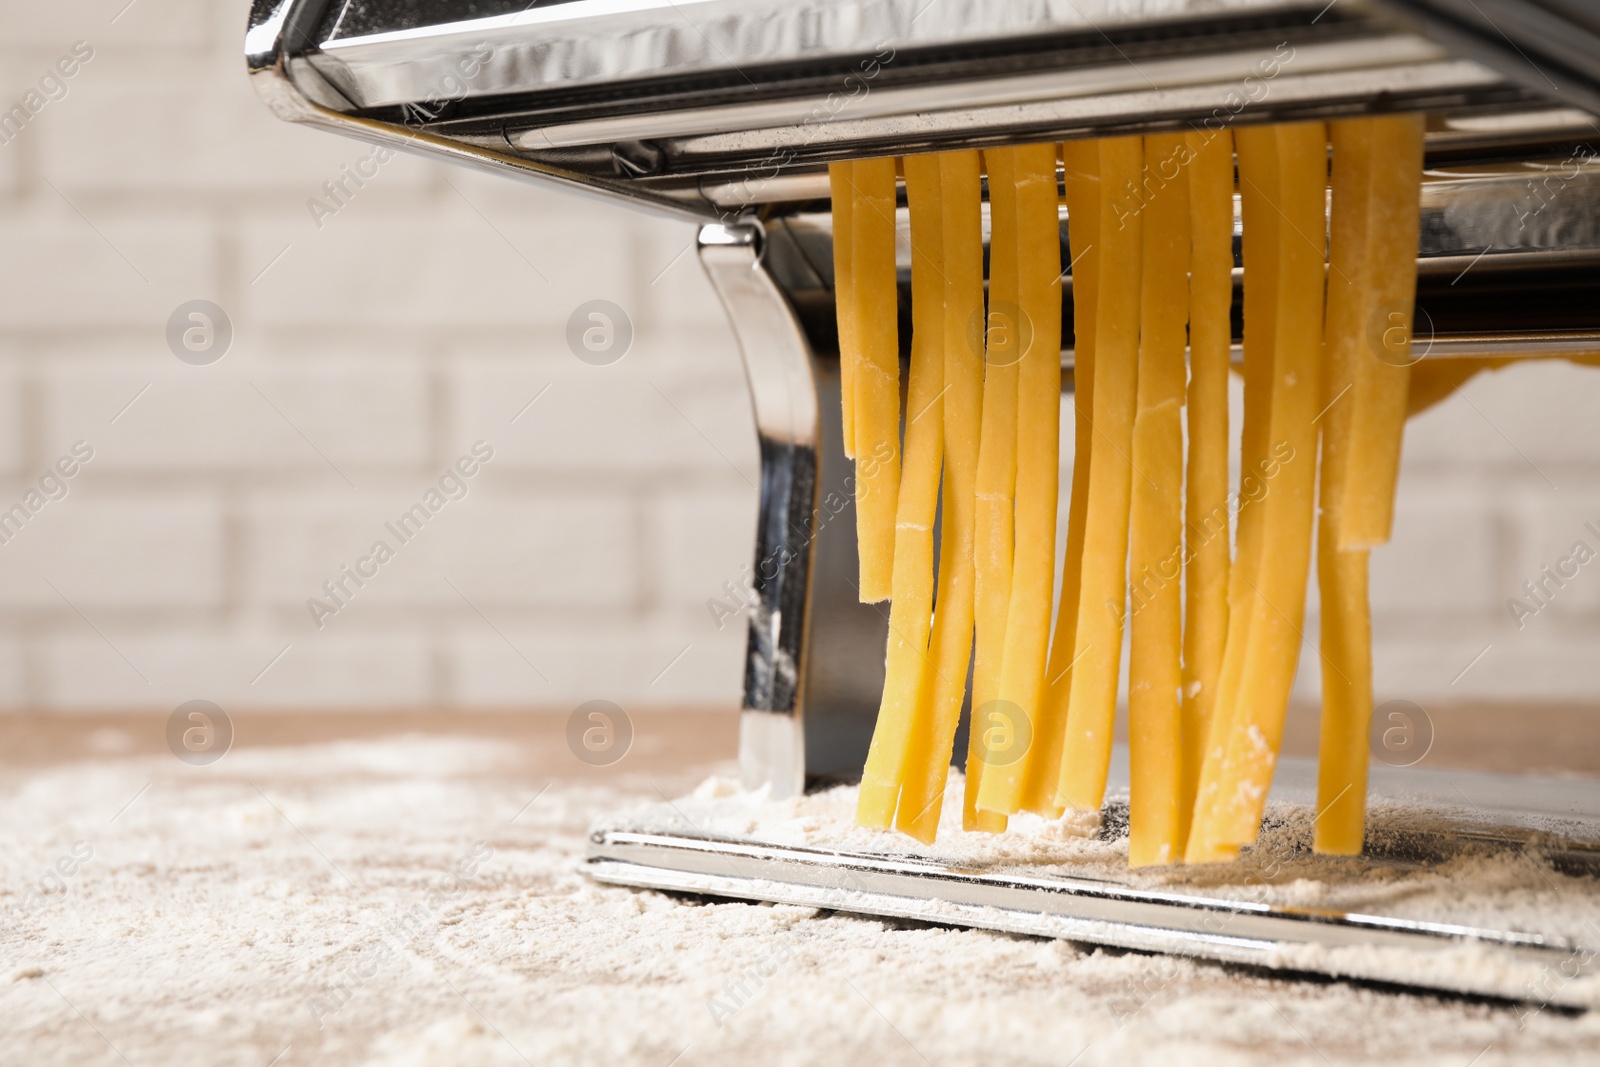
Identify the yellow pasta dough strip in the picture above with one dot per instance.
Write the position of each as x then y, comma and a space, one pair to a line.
1081, 170
1092, 697
1206, 529
1346, 695
1258, 191
927, 768
839, 185
1382, 365
1278, 607
1155, 565
911, 605
1027, 635
877, 373
1377, 165
1437, 380
1342, 576
992, 728
950, 649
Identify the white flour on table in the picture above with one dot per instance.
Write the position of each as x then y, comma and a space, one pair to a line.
299, 904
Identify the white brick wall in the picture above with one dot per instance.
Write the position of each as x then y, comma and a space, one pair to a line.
11, 407
419, 318
423, 316
121, 552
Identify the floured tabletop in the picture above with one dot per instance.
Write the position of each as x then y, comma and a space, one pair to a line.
353, 890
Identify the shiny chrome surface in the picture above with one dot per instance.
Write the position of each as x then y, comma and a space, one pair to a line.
1498, 132
378, 58
1549, 206
598, 41
814, 655
1052, 103
1552, 48
1501, 345
777, 363
275, 56
1229, 921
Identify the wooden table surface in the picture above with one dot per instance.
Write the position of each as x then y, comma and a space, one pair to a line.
1506, 738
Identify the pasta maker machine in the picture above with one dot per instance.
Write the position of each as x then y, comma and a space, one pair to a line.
725, 113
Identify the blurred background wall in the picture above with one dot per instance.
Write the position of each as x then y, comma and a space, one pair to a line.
373, 345
369, 352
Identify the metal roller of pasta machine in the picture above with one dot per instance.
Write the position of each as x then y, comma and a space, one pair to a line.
726, 112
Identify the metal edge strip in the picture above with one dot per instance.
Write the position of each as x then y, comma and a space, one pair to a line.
1179, 911
1041, 924
1350, 959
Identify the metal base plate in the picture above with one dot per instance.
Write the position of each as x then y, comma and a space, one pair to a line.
1472, 883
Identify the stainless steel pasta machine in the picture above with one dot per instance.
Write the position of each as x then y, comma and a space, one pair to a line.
726, 112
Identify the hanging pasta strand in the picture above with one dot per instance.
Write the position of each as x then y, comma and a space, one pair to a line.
1081, 177
1027, 634
911, 605
1155, 566
1258, 194
877, 373
1206, 532
1279, 584
1377, 165
950, 649
1383, 366
1092, 697
1342, 575
992, 728
1346, 685
840, 188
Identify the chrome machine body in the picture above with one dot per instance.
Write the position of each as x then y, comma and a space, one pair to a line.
726, 112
